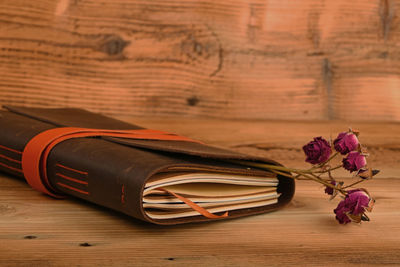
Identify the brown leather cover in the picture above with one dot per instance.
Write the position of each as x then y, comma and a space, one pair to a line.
112, 172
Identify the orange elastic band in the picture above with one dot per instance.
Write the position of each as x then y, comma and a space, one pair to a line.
34, 156
194, 206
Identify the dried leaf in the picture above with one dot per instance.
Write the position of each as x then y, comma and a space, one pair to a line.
375, 172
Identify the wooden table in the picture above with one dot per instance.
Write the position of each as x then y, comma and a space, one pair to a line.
38, 231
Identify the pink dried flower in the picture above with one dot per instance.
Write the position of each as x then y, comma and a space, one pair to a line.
353, 207
354, 161
317, 151
345, 142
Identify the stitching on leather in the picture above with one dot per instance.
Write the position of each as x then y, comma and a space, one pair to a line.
11, 168
73, 188
71, 169
71, 179
123, 194
10, 159
10, 149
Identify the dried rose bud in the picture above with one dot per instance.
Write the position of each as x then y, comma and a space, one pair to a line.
353, 207
317, 151
345, 142
330, 190
354, 161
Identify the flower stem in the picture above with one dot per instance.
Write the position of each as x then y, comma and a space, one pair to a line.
269, 166
277, 169
330, 169
350, 185
297, 177
324, 163
319, 180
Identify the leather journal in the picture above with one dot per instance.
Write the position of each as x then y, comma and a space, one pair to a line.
151, 175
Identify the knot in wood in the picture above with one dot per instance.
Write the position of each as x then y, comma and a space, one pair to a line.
113, 45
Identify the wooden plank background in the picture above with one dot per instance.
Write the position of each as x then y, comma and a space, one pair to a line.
36, 230
270, 59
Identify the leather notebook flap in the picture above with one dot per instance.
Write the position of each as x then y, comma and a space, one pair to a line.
72, 117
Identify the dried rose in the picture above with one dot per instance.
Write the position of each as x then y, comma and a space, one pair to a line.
353, 207
345, 142
317, 151
354, 161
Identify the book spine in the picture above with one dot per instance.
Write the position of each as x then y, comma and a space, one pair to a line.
99, 171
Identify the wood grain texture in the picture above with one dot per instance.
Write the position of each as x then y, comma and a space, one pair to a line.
39, 231
225, 59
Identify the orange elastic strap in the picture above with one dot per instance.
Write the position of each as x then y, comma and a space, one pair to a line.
194, 206
34, 156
